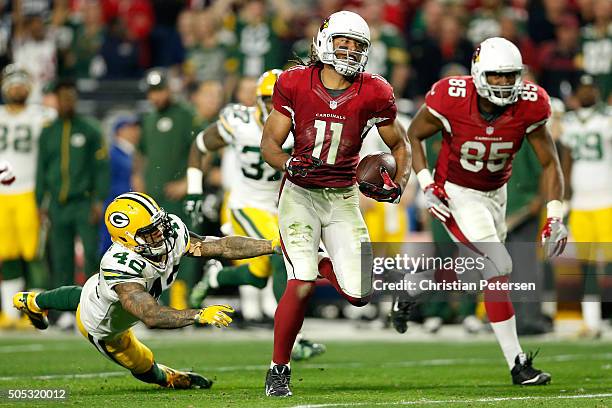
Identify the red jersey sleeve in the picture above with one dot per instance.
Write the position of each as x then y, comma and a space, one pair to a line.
385, 109
282, 96
537, 106
437, 97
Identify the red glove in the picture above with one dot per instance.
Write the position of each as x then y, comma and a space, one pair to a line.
436, 200
390, 192
301, 165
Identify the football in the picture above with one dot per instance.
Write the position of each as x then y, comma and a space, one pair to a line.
369, 168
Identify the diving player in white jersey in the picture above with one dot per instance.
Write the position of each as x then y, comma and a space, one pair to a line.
20, 127
587, 164
142, 262
253, 200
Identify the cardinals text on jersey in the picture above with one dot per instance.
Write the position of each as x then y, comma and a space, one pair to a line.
475, 153
332, 129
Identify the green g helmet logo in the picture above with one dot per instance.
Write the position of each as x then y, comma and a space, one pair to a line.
118, 219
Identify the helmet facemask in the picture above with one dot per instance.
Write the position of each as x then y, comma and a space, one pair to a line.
156, 239
346, 62
500, 95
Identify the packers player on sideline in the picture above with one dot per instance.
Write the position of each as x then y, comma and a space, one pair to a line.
253, 200
20, 127
586, 158
142, 262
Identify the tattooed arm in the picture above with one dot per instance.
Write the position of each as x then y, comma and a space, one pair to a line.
232, 247
136, 300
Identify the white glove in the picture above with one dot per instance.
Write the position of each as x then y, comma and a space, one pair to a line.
436, 200
6, 173
554, 237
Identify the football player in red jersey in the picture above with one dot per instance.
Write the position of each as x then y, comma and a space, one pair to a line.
484, 119
329, 105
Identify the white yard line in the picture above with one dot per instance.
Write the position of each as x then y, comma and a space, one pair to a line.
314, 365
456, 401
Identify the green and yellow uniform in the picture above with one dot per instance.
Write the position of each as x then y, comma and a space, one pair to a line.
73, 171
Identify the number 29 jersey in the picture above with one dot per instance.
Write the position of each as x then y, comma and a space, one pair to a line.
331, 128
100, 309
475, 153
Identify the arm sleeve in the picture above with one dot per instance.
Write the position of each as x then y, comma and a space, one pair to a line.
539, 111
101, 166
225, 124
282, 97
41, 166
386, 109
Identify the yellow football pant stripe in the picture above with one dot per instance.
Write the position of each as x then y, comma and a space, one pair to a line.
255, 223
125, 349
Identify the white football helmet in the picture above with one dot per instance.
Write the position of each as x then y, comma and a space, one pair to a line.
343, 24
497, 54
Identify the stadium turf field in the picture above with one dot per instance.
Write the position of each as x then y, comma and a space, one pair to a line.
349, 374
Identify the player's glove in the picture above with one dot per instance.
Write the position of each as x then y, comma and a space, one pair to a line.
436, 200
302, 164
554, 237
390, 192
193, 208
6, 173
215, 315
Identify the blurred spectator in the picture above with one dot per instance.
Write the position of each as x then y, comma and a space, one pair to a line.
207, 59
430, 54
126, 135
559, 59
160, 165
426, 22
510, 30
597, 47
585, 11
544, 16
259, 34
87, 35
246, 91
301, 48
167, 47
387, 56
73, 172
6, 26
184, 26
120, 53
207, 100
34, 48
484, 21
326, 8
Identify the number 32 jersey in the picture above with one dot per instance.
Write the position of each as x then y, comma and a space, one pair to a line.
475, 153
332, 128
100, 309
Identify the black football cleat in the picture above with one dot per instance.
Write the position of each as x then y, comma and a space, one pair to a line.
401, 311
277, 381
523, 372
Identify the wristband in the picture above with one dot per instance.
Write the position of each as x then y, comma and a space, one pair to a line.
194, 180
554, 209
425, 178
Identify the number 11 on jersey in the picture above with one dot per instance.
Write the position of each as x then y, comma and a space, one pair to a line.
336, 134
